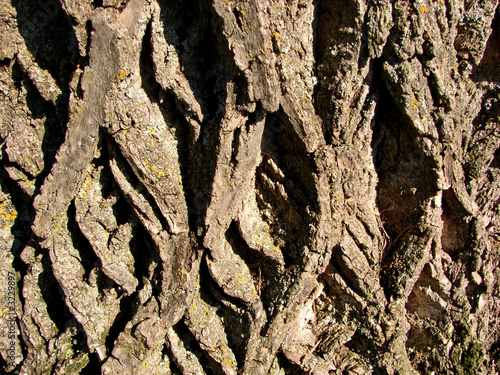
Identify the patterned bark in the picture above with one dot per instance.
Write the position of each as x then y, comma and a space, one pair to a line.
250, 187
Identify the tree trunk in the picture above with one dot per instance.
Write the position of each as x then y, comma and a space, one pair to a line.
250, 187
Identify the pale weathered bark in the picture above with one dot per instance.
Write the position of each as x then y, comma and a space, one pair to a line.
250, 187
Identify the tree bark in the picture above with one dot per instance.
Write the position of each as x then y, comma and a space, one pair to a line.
250, 187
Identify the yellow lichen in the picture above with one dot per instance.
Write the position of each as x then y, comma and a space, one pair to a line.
423, 9
414, 102
277, 36
240, 279
122, 74
228, 362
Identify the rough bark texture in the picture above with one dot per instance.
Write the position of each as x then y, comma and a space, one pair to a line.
250, 187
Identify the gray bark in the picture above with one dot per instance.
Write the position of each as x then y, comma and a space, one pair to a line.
250, 187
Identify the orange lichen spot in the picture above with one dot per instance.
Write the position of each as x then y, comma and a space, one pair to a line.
423, 9
122, 74
139, 105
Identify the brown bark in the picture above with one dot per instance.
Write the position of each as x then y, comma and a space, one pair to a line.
250, 187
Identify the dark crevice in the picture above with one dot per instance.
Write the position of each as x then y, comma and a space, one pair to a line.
5, 62
235, 147
149, 83
402, 169
128, 307
495, 351
102, 158
3, 365
215, 288
53, 295
454, 238
133, 180
288, 366
269, 281
197, 188
235, 315
364, 347
49, 36
236, 326
236, 13
88, 258
289, 206
439, 99
122, 211
489, 69
207, 75
21, 226
85, 60
93, 367
97, 3
196, 54
143, 252
192, 345
107, 183
292, 158
166, 352
495, 163
54, 128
